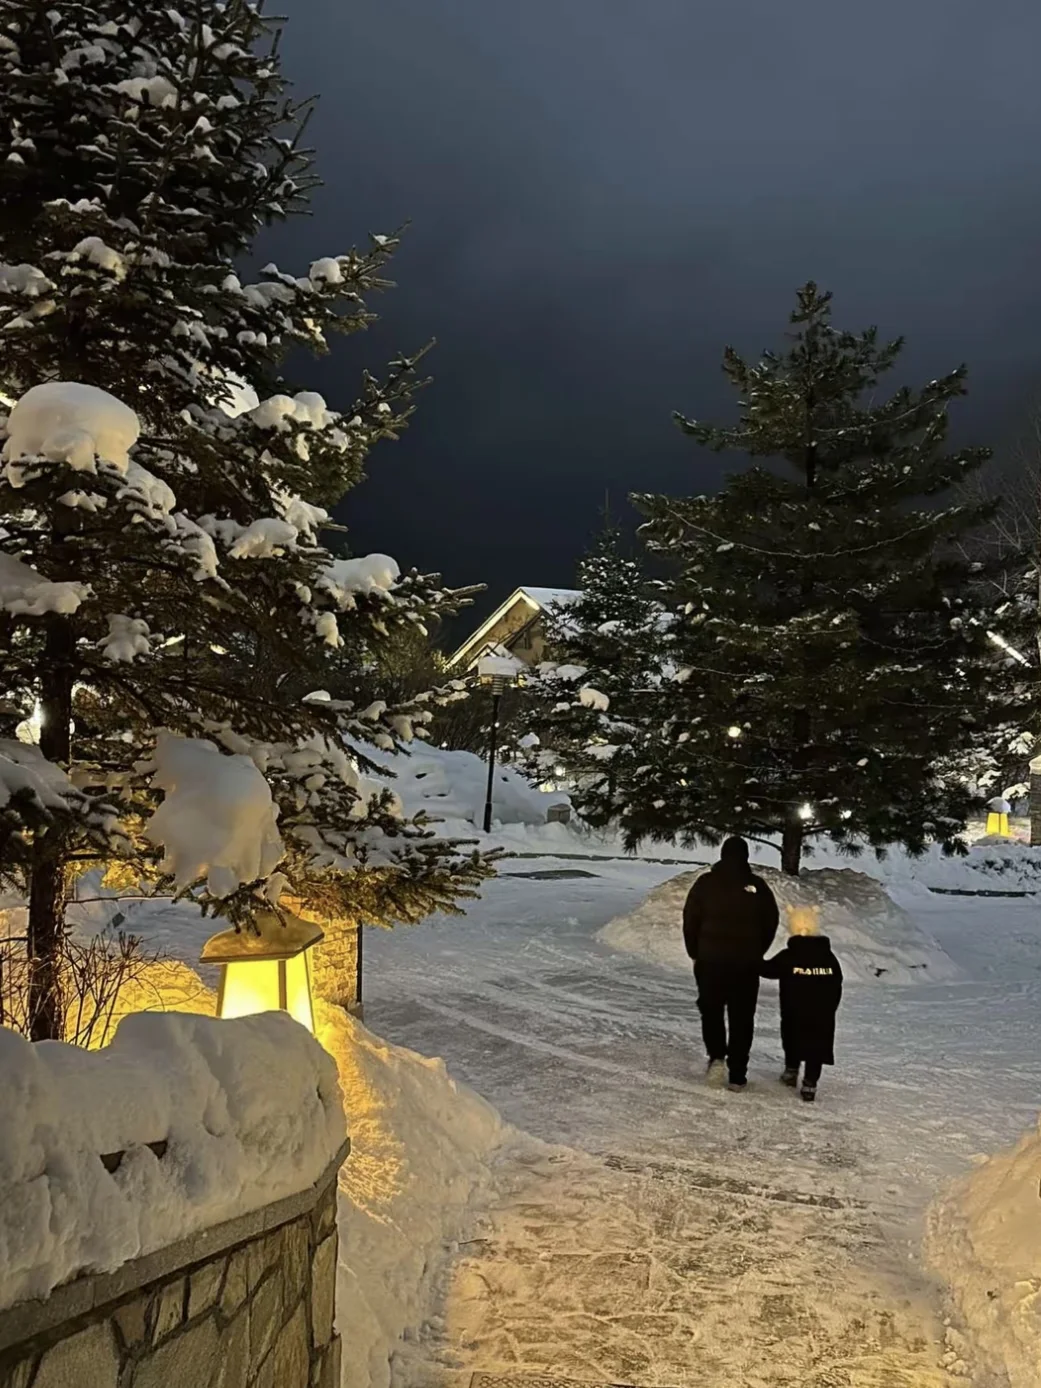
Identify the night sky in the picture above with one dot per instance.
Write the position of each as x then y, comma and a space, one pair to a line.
604, 192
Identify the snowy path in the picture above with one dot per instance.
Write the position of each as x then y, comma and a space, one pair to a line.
691, 1237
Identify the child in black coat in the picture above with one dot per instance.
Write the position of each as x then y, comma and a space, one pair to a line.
811, 989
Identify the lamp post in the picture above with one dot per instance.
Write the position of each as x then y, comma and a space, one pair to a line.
495, 672
998, 811
265, 972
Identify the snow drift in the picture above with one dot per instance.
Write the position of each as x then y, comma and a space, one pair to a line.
250, 1110
985, 1239
452, 786
874, 938
421, 1157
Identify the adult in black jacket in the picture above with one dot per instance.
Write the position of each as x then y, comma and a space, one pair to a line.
729, 922
811, 990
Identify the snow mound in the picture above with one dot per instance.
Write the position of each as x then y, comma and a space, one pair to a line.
218, 819
874, 938
452, 786
250, 1110
70, 422
984, 1238
421, 1157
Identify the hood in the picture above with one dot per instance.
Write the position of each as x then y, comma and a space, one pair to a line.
809, 946
732, 870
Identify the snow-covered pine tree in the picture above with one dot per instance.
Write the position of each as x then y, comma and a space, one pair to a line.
580, 713
833, 649
166, 602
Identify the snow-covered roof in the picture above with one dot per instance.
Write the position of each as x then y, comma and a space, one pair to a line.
536, 599
549, 597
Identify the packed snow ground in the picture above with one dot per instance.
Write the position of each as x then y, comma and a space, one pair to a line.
652, 1231
678, 1235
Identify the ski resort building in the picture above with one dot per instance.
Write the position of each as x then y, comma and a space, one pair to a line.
516, 626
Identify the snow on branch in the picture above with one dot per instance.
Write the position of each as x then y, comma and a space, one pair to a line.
218, 821
65, 421
26, 593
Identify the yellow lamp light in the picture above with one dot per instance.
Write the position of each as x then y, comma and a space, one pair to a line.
265, 972
997, 817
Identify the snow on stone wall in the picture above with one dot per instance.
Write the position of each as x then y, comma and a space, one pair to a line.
875, 939
248, 1305
214, 1120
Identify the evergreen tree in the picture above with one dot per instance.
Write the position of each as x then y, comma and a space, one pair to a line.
578, 715
831, 637
165, 596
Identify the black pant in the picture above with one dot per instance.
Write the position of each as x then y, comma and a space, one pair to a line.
727, 997
812, 1072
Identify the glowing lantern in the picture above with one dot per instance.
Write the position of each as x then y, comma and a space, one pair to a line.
265, 972
998, 811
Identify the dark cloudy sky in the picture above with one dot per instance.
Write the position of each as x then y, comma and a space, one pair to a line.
604, 192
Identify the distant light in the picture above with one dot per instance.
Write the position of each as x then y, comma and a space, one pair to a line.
734, 731
806, 812
29, 729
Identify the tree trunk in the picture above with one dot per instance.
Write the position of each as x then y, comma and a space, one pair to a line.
1035, 808
48, 888
791, 847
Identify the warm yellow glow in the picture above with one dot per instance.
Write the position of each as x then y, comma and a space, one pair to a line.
298, 990
249, 986
267, 970
997, 824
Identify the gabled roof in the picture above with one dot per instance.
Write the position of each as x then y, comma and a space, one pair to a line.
536, 600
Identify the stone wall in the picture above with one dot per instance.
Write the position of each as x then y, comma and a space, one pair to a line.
335, 960
249, 1304
335, 964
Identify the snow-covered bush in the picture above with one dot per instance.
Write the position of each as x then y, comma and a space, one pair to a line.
163, 581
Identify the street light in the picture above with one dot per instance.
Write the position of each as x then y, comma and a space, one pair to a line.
495, 672
265, 972
998, 811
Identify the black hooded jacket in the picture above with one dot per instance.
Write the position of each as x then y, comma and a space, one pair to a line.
811, 989
730, 916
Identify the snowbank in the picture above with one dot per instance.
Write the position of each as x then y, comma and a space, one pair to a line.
453, 785
250, 1110
985, 1239
989, 865
875, 939
421, 1154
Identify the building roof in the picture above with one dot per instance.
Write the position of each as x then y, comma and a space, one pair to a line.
536, 599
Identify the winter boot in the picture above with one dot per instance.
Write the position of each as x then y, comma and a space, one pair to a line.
790, 1077
716, 1073
737, 1084
809, 1093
